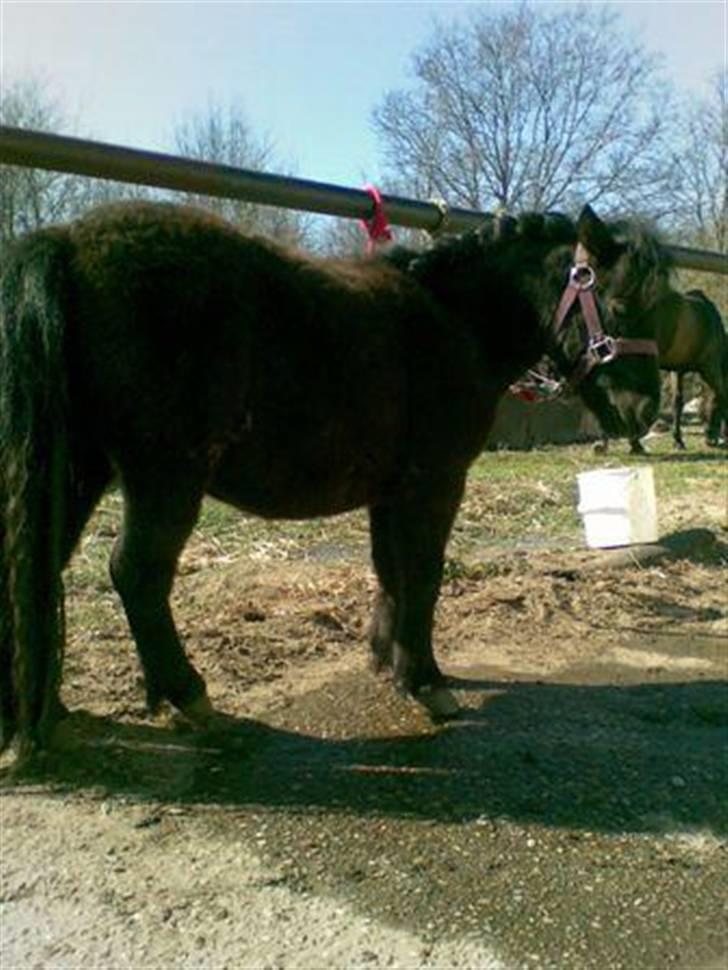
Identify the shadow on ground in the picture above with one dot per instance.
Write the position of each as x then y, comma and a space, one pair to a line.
603, 757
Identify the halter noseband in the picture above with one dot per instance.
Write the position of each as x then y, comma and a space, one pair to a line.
600, 348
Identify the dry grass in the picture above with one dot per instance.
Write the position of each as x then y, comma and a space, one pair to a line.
255, 600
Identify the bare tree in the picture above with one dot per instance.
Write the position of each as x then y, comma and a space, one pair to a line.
223, 135
529, 109
31, 197
34, 197
701, 169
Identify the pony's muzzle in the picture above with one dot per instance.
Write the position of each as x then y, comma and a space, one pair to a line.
637, 412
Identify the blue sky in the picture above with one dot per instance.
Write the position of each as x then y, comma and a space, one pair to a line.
306, 73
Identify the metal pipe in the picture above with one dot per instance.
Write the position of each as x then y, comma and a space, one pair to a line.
77, 156
704, 260
61, 153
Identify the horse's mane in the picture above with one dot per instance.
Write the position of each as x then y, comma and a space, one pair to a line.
497, 235
650, 265
647, 269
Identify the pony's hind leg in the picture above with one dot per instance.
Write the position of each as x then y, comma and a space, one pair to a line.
156, 526
92, 476
8, 712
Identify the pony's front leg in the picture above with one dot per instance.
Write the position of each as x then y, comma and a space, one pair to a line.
382, 629
408, 542
386, 633
414, 668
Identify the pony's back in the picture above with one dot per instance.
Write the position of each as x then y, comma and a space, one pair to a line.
689, 331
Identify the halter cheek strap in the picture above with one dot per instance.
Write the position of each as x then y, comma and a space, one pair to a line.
601, 347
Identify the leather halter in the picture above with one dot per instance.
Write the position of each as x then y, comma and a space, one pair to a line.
600, 348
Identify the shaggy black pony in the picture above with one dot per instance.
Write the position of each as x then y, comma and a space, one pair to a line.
156, 346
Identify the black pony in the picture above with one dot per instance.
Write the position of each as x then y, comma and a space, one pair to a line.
157, 346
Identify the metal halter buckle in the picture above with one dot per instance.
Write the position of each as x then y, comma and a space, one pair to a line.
582, 276
537, 387
602, 348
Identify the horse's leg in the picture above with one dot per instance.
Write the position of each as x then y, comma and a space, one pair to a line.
92, 476
713, 420
7, 688
677, 408
381, 633
714, 377
721, 416
157, 523
636, 447
419, 529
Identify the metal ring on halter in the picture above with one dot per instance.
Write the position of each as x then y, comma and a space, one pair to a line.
602, 348
582, 276
444, 210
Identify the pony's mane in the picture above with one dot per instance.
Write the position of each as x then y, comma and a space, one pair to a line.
650, 264
496, 235
646, 269
552, 228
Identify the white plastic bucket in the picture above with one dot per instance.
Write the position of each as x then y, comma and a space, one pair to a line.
618, 506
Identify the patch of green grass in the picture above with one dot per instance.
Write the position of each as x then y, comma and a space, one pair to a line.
528, 500
550, 464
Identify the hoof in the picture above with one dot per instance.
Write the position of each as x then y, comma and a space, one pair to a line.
202, 715
31, 760
62, 735
439, 702
379, 665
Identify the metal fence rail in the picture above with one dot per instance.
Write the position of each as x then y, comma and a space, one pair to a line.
61, 153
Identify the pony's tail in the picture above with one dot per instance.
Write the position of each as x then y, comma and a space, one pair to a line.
34, 488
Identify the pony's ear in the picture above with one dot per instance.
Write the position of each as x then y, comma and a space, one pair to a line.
596, 237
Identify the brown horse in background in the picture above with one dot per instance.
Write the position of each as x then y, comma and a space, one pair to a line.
691, 338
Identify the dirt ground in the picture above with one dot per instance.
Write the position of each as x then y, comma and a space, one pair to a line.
574, 816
